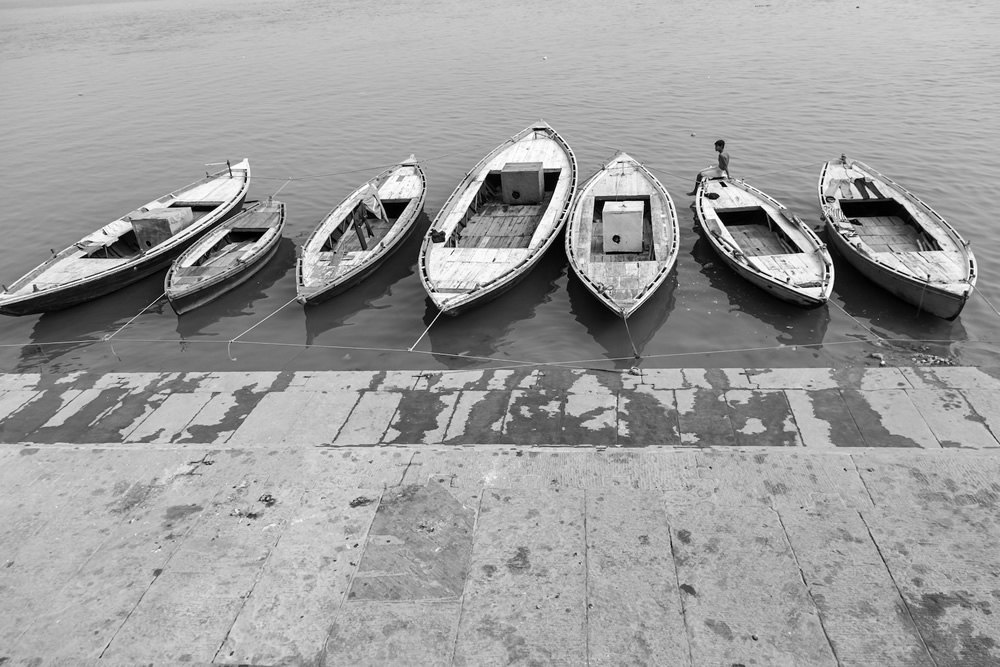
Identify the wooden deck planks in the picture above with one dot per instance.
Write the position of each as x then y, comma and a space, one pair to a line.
222, 189
405, 184
499, 225
756, 240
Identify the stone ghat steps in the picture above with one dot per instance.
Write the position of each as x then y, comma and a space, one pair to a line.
492, 555
928, 407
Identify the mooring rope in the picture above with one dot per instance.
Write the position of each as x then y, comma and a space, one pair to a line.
857, 321
287, 181
988, 303
229, 347
151, 304
440, 312
631, 342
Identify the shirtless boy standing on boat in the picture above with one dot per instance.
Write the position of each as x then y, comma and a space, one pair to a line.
714, 172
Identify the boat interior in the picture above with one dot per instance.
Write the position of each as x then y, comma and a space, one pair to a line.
491, 223
361, 229
886, 226
128, 245
597, 253
756, 233
230, 246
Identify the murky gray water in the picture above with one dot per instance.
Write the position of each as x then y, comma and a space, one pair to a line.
108, 105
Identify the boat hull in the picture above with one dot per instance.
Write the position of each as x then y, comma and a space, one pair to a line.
926, 297
319, 295
114, 279
186, 298
925, 262
809, 289
773, 287
314, 284
621, 281
459, 274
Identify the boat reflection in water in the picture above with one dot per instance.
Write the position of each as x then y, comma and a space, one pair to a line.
57, 335
475, 336
610, 331
795, 335
902, 324
388, 282
238, 305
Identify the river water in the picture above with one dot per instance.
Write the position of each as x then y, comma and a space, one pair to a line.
108, 105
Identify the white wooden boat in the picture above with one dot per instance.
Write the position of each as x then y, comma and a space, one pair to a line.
130, 248
357, 236
895, 240
499, 221
764, 242
622, 234
225, 257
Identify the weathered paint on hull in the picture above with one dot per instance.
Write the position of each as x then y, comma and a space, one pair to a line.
502, 286
60, 299
332, 290
210, 292
925, 297
772, 287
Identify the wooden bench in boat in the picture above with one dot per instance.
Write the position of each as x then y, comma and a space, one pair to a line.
213, 192
462, 269
936, 265
632, 276
403, 186
757, 240
800, 268
505, 225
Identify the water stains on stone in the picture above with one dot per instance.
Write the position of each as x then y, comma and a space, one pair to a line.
480, 421
419, 546
720, 628
244, 401
687, 588
417, 415
177, 513
519, 563
647, 421
130, 497
684, 536
776, 488
945, 623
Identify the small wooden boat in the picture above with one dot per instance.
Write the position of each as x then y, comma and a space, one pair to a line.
764, 242
499, 221
357, 236
622, 235
130, 248
896, 240
226, 257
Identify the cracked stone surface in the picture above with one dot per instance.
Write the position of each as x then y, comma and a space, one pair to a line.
238, 520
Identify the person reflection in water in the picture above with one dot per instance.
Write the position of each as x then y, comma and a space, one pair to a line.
721, 171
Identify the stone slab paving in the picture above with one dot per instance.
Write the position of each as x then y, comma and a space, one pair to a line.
678, 517
876, 407
497, 555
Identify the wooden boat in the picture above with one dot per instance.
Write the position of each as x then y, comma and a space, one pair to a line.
896, 240
764, 242
225, 257
130, 248
622, 234
357, 236
499, 221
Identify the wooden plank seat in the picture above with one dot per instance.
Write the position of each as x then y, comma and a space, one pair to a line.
756, 240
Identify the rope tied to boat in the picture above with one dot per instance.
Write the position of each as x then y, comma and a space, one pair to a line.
229, 346
416, 342
635, 350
